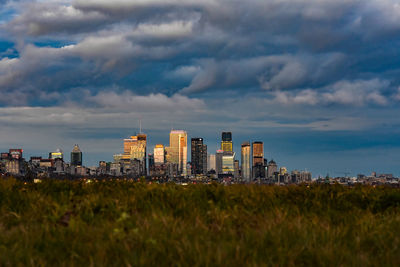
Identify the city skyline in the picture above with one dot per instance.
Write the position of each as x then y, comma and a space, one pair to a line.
90, 161
316, 81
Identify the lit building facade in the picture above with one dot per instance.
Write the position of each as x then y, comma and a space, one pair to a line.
246, 161
282, 170
237, 170
228, 163
159, 154
177, 150
58, 154
258, 153
272, 168
135, 150
226, 143
211, 162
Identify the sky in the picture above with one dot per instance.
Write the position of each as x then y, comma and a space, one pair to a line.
318, 81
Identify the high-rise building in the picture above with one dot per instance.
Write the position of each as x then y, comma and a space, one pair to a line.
199, 156
15, 153
272, 168
159, 154
228, 163
151, 161
58, 154
236, 173
226, 143
135, 149
211, 162
258, 153
218, 161
283, 170
177, 150
76, 156
259, 166
246, 161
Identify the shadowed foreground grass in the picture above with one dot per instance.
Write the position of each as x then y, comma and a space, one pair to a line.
124, 223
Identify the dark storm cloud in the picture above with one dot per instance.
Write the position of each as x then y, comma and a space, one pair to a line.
194, 47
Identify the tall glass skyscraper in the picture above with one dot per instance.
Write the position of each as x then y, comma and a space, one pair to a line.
199, 156
226, 143
177, 150
258, 160
76, 156
246, 161
218, 161
258, 153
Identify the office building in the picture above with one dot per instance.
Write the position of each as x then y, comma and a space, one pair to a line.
246, 161
159, 154
237, 170
218, 161
228, 163
135, 153
199, 156
151, 161
58, 154
272, 168
259, 171
211, 162
76, 156
282, 170
177, 150
258, 153
15, 153
226, 143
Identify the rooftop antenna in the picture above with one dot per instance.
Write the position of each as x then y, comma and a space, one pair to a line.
140, 126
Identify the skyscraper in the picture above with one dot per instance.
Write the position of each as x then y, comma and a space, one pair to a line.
226, 143
258, 160
236, 169
58, 154
211, 162
258, 153
246, 161
177, 150
135, 150
228, 163
218, 161
151, 161
272, 168
76, 156
199, 156
159, 154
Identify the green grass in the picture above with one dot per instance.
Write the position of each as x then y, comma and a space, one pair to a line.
58, 223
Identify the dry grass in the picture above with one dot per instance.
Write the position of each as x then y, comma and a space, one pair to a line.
123, 223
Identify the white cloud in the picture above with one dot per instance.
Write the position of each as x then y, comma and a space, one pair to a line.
352, 93
148, 103
359, 92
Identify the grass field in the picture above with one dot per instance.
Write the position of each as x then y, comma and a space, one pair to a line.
57, 223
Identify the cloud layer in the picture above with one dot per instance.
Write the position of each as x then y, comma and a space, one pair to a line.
286, 65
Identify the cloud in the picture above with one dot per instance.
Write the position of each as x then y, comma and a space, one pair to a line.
148, 103
294, 50
357, 92
352, 93
275, 72
43, 18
